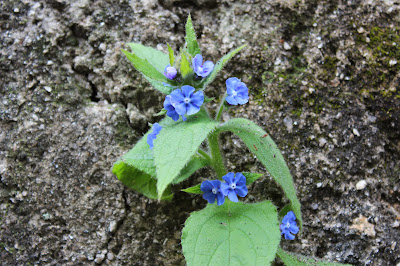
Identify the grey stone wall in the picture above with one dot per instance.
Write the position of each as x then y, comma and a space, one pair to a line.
324, 82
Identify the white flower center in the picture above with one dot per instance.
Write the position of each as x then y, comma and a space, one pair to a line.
214, 190
233, 186
234, 93
186, 100
199, 69
287, 224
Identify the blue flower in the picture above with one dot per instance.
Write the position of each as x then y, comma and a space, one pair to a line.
235, 186
171, 112
202, 70
212, 191
237, 91
186, 101
153, 135
289, 226
170, 72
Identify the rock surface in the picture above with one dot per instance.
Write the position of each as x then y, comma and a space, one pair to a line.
324, 82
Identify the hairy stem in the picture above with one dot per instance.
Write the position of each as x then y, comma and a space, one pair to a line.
220, 108
204, 154
217, 161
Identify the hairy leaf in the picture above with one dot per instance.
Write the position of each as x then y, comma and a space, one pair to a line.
156, 58
138, 181
185, 66
193, 190
136, 169
195, 164
220, 64
261, 144
232, 234
177, 143
143, 66
251, 177
171, 55
292, 259
191, 42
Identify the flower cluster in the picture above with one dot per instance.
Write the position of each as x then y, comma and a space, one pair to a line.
153, 135
186, 101
216, 190
183, 101
289, 226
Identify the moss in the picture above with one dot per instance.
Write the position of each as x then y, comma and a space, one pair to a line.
384, 46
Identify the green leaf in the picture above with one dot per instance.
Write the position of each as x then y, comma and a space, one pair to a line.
136, 169
193, 190
292, 259
261, 144
195, 164
141, 157
156, 58
171, 55
185, 65
232, 234
161, 113
138, 181
177, 143
251, 177
220, 64
144, 66
159, 85
190, 38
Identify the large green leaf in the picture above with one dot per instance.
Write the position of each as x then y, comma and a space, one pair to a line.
191, 42
292, 259
176, 144
136, 169
195, 164
232, 234
261, 144
138, 181
156, 58
218, 67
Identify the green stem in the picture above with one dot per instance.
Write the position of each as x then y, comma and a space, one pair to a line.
204, 154
220, 108
217, 161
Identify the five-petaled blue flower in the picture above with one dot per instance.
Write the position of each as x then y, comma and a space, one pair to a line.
237, 91
202, 70
153, 135
235, 186
289, 226
170, 72
212, 191
185, 100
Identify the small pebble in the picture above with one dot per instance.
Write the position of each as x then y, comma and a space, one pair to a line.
392, 62
286, 46
110, 256
322, 142
355, 132
314, 206
361, 185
